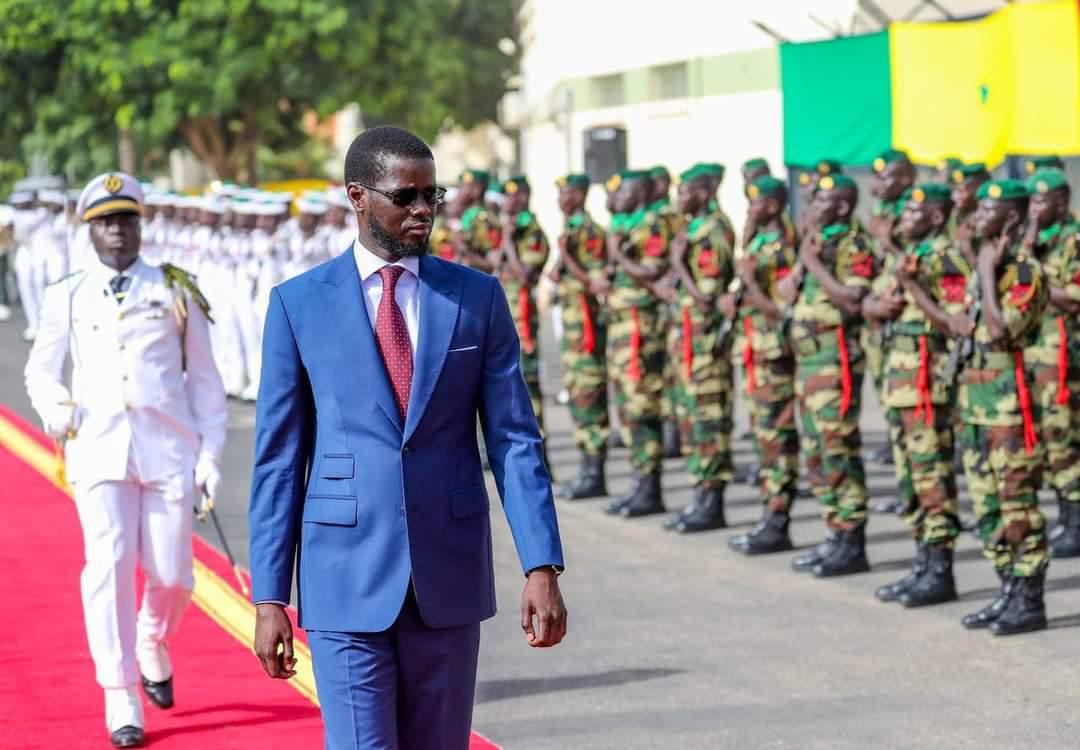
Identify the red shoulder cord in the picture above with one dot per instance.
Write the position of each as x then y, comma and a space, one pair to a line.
1063, 362
845, 372
524, 313
687, 343
922, 385
589, 344
1024, 395
748, 354
634, 370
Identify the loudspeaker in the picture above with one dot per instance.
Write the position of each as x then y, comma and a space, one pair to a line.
605, 152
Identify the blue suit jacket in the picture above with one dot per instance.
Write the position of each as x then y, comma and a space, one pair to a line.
362, 503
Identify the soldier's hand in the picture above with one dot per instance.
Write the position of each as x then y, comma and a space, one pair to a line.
274, 641
564, 242
599, 285
679, 245
747, 265
891, 306
555, 274
727, 306
960, 325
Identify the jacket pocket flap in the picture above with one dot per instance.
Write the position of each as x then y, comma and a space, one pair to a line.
469, 501
338, 510
336, 467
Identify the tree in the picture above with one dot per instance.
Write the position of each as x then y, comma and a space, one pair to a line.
226, 77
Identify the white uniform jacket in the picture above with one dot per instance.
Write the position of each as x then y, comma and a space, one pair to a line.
140, 382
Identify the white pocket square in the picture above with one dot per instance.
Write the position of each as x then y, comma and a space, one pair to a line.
463, 349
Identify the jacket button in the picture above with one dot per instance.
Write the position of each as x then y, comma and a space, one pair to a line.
127, 407
122, 347
124, 377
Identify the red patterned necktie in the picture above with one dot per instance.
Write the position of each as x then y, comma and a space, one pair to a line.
392, 336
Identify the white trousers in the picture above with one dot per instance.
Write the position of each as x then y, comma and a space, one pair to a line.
26, 281
125, 523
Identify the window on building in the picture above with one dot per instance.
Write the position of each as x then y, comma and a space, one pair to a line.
608, 90
668, 81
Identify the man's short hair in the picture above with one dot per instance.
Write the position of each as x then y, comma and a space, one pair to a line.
370, 153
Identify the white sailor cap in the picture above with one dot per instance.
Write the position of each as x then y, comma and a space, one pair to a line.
110, 193
52, 197
336, 196
22, 196
312, 204
212, 204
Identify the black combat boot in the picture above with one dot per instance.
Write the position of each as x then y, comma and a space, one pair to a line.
848, 557
883, 456
993, 610
589, 481
647, 501
769, 535
808, 560
890, 592
936, 584
1026, 610
615, 439
705, 514
615, 506
672, 442
672, 521
1067, 542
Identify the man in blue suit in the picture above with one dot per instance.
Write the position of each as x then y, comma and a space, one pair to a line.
367, 473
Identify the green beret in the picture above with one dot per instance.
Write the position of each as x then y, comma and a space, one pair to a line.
949, 163
765, 187
658, 172
713, 169
967, 171
476, 175
574, 180
1036, 163
1045, 180
752, 165
1003, 190
828, 166
695, 172
836, 182
931, 192
629, 175
515, 184
887, 157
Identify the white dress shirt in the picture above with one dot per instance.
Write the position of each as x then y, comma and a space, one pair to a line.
406, 293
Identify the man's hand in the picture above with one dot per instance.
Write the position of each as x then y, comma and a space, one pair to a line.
273, 630
811, 246
960, 325
62, 422
679, 246
543, 615
599, 285
664, 289
208, 478
727, 306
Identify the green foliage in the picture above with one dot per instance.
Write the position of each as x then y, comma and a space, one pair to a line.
225, 77
10, 173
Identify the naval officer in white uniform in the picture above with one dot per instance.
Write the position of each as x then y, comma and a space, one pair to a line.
143, 423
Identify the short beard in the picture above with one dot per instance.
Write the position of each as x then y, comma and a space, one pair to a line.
395, 246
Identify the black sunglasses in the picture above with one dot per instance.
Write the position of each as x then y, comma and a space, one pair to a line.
407, 196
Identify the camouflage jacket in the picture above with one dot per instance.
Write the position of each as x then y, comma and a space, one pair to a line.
989, 393
532, 249
481, 231
776, 256
585, 242
645, 241
710, 260
942, 272
1058, 251
847, 255
440, 242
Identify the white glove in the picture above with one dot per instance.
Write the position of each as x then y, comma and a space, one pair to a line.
208, 481
60, 420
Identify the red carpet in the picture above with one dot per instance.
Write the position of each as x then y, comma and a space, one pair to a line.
48, 697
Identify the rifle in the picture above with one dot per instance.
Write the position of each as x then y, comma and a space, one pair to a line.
727, 326
964, 346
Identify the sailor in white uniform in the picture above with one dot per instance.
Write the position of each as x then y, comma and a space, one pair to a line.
143, 426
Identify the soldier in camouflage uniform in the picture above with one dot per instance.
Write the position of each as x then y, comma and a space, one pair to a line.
917, 396
582, 279
1035, 163
769, 363
702, 257
965, 181
894, 174
1054, 358
637, 246
523, 253
945, 169
836, 264
478, 236
808, 180
751, 170
1001, 451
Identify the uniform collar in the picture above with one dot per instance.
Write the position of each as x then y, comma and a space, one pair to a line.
101, 271
368, 263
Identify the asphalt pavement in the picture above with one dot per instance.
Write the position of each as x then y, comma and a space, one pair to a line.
678, 642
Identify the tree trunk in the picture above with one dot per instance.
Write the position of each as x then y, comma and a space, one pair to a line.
126, 151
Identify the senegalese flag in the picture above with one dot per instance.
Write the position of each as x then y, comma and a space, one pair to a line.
1007, 83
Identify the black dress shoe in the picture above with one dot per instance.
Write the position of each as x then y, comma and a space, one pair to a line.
1026, 611
889, 505
770, 535
936, 585
672, 441
993, 610
810, 559
847, 557
589, 482
706, 514
128, 737
159, 693
647, 501
890, 592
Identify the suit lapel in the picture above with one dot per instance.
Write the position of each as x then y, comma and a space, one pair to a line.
440, 300
348, 314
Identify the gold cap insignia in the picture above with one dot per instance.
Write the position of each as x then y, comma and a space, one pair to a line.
113, 183
510, 187
879, 164
823, 168
1030, 167
614, 182
918, 195
467, 177
826, 183
561, 182
994, 191
1042, 187
804, 178
957, 176
753, 191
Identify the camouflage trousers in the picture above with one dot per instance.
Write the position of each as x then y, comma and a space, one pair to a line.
1059, 423
706, 389
771, 403
871, 339
636, 339
923, 454
527, 324
831, 441
585, 373
1003, 481
674, 398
